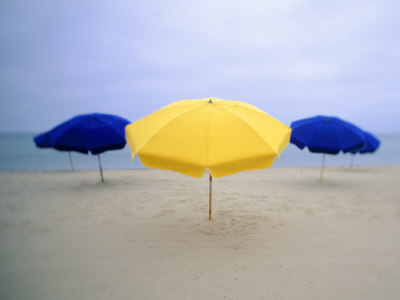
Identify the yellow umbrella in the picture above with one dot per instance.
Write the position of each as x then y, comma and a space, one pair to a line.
224, 136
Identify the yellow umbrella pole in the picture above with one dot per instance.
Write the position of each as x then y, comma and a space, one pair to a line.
210, 198
352, 161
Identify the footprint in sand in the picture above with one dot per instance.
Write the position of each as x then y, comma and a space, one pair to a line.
212, 229
235, 245
163, 213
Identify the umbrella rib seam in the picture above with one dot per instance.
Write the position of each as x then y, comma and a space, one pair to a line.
311, 136
166, 124
340, 142
244, 121
113, 129
107, 123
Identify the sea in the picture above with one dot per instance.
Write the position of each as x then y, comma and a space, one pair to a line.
18, 152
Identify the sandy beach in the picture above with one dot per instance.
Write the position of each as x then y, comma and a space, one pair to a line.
144, 234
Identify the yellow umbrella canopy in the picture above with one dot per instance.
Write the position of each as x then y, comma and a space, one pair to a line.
224, 136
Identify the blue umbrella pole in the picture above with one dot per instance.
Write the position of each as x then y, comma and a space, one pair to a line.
210, 198
101, 170
352, 161
70, 160
322, 167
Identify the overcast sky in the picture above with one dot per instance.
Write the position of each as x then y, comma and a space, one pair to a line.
293, 59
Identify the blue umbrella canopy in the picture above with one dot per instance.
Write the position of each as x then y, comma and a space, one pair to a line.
43, 141
371, 145
94, 133
323, 134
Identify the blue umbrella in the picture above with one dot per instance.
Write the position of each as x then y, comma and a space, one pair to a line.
94, 133
371, 145
327, 135
44, 141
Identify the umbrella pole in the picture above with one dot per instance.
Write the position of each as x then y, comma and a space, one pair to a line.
322, 167
70, 160
101, 170
210, 198
352, 161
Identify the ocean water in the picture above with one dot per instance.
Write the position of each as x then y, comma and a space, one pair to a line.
19, 153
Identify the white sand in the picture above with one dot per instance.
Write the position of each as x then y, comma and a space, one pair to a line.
276, 234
